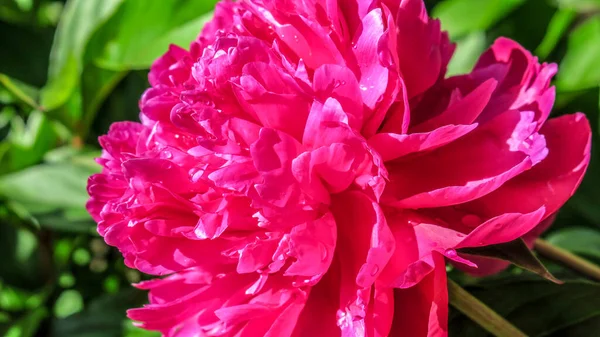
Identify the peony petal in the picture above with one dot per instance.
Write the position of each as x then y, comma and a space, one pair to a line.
363, 259
276, 99
319, 315
464, 111
392, 146
340, 83
418, 237
423, 49
468, 168
374, 75
359, 215
422, 310
552, 182
523, 83
272, 154
380, 313
398, 117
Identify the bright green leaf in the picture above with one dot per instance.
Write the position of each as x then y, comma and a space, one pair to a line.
68, 303
25, 5
580, 68
49, 13
468, 50
15, 299
47, 187
29, 142
133, 41
460, 17
579, 5
7, 114
79, 20
560, 23
23, 92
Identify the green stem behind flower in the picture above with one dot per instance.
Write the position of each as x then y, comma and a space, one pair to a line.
568, 259
480, 313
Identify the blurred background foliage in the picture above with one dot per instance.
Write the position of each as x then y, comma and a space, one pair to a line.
68, 69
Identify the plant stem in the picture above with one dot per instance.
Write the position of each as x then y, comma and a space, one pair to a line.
481, 313
568, 259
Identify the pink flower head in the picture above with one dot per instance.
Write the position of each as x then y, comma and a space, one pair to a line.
306, 167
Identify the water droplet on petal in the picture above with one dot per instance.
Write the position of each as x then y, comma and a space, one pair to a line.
324, 252
451, 253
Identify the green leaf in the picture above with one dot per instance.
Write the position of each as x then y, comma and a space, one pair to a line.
7, 115
133, 41
580, 68
515, 252
29, 143
558, 26
28, 324
15, 299
73, 220
538, 308
579, 240
480, 313
47, 187
79, 20
102, 317
579, 5
24, 5
468, 50
49, 13
69, 302
181, 36
23, 92
96, 86
460, 17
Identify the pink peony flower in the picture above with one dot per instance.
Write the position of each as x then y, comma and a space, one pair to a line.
306, 168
